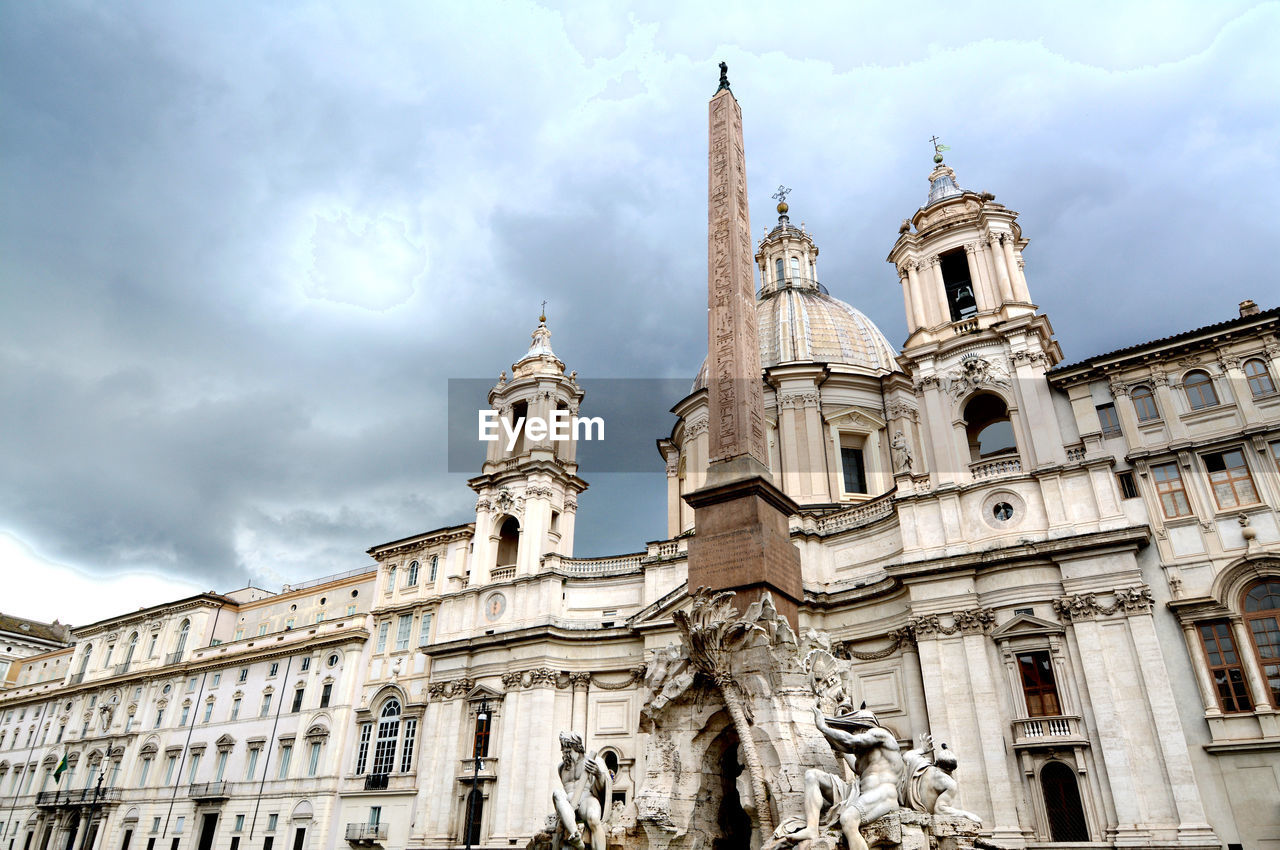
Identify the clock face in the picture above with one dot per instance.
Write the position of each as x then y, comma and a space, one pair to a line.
494, 606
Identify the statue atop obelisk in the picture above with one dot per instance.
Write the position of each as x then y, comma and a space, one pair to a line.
742, 541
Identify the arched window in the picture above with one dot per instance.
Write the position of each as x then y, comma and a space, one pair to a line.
412, 578
1144, 402
183, 632
520, 410
1062, 803
988, 427
435, 562
84, 659
778, 274
1262, 613
391, 579
795, 267
957, 285
1259, 377
384, 748
1199, 388
132, 648
508, 542
475, 812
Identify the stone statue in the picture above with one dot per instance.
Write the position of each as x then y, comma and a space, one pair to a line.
667, 676
871, 751
927, 782
902, 451
724, 76
583, 796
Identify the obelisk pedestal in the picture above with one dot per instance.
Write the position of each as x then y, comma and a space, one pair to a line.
742, 541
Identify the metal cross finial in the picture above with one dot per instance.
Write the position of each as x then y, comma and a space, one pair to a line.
938, 148
781, 195
543, 317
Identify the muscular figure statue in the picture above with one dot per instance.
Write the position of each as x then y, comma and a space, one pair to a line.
872, 752
927, 783
584, 794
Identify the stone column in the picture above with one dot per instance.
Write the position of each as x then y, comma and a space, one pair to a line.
1240, 391
580, 683
919, 301
940, 290
917, 708
1201, 666
1002, 268
1169, 409
1019, 283
908, 307
981, 295
1252, 666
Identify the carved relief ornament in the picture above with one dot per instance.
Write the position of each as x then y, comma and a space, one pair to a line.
1085, 606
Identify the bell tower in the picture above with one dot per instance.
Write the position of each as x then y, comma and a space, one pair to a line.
977, 349
529, 485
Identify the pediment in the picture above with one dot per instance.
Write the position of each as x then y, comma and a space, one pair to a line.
1025, 625
480, 692
857, 416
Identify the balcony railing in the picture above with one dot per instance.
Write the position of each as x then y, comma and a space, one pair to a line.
1050, 731
375, 782
208, 791
76, 678
173, 658
78, 797
502, 573
366, 833
122, 668
995, 468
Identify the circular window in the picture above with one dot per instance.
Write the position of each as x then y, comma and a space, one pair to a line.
293, 607
355, 593
1003, 511
323, 600
167, 688
333, 660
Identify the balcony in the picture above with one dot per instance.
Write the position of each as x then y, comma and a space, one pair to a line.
996, 468
1053, 731
77, 797
76, 678
376, 782
208, 791
488, 769
366, 834
502, 573
173, 658
121, 669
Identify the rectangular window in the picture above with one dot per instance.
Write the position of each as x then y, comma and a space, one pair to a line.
235, 708
406, 754
1173, 498
1038, 684
288, 624
1128, 488
266, 705
191, 684
239, 827
146, 770
855, 476
274, 669
151, 647
325, 693
306, 664
313, 758
170, 763
1108, 420
220, 768
217, 678
239, 634
155, 824
383, 629
1229, 479
424, 631
159, 717
297, 700
286, 756
1224, 667
403, 628
272, 820
480, 749
351, 610
235, 840
195, 766
179, 824
262, 630
362, 751
244, 674
251, 765
208, 711
268, 842
186, 712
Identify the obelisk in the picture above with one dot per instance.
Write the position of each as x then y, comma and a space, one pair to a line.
742, 541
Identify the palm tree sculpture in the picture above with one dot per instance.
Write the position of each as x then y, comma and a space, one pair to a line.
713, 630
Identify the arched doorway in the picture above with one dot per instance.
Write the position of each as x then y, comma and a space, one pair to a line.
988, 427
508, 542
1062, 803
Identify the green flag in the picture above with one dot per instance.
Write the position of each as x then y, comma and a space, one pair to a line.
60, 769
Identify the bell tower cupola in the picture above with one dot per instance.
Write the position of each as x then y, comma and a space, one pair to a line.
959, 261
529, 485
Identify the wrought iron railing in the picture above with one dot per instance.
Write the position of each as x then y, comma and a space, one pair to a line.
375, 782
78, 797
208, 790
366, 832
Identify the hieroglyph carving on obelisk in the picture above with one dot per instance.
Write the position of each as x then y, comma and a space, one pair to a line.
736, 398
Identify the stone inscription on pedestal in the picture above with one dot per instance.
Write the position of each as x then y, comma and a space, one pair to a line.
736, 396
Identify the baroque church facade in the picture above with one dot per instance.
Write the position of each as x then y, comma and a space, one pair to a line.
1070, 572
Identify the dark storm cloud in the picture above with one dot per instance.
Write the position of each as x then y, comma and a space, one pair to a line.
244, 253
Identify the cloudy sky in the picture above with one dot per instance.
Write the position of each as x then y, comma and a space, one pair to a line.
244, 247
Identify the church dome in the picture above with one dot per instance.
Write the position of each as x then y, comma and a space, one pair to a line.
803, 323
